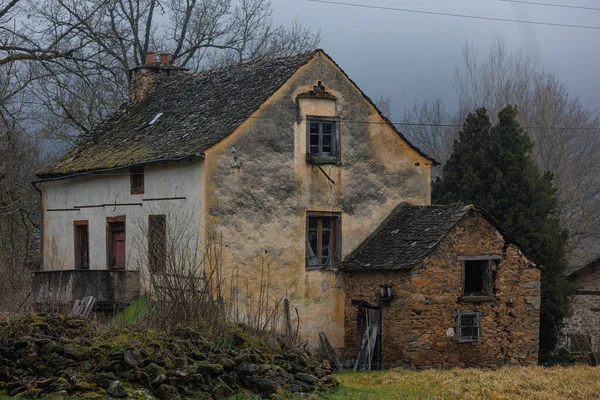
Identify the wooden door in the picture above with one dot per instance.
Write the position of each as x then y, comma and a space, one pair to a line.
116, 245
368, 329
119, 250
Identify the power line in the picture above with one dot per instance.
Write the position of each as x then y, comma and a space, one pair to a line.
535, 3
349, 121
454, 15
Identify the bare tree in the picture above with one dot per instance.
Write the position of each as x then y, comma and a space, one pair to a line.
565, 132
430, 126
115, 35
384, 104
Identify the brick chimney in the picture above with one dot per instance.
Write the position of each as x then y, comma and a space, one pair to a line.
143, 79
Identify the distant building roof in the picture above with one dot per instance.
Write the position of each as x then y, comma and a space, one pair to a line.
182, 117
590, 267
408, 235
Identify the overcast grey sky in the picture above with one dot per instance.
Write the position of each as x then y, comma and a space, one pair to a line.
412, 57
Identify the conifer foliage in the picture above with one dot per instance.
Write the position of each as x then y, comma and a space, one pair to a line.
493, 167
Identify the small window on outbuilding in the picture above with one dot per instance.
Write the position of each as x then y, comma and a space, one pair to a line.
467, 326
478, 276
322, 239
137, 180
323, 140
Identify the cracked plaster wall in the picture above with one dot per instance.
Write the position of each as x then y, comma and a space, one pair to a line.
261, 206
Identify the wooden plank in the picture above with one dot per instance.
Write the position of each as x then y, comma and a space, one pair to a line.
336, 364
362, 352
474, 258
372, 342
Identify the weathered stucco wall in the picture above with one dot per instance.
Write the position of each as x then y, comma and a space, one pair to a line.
418, 325
56, 290
584, 318
177, 179
261, 206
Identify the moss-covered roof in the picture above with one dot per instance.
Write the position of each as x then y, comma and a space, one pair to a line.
198, 110
182, 117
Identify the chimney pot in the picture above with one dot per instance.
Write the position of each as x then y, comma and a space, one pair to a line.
165, 58
150, 57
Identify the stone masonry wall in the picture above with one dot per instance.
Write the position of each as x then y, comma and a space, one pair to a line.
585, 309
419, 324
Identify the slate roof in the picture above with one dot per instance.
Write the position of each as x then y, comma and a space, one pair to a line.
406, 237
198, 110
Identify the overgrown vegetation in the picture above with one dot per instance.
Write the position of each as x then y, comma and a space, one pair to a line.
493, 167
44, 355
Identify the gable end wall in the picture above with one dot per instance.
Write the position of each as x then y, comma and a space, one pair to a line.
261, 206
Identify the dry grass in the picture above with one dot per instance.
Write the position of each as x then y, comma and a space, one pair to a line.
548, 383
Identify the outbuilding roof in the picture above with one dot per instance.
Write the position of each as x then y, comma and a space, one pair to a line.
407, 236
182, 117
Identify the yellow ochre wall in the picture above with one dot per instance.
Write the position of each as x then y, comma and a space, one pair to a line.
260, 207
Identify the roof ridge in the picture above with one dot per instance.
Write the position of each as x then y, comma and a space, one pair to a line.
255, 62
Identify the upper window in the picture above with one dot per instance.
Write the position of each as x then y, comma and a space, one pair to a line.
467, 326
323, 140
82, 245
477, 276
322, 239
137, 180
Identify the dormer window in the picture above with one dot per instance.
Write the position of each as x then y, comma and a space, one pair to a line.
323, 140
137, 180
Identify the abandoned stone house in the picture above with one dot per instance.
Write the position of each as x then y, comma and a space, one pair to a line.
582, 330
444, 286
288, 158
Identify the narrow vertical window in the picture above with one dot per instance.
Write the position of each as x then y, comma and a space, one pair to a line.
322, 239
137, 180
157, 243
82, 245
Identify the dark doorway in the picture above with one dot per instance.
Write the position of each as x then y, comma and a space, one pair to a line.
116, 243
369, 338
82, 245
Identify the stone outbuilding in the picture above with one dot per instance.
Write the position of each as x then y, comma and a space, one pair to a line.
582, 330
441, 286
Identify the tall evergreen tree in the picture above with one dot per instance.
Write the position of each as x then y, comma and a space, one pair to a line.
493, 167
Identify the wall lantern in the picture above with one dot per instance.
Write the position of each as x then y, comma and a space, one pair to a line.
386, 292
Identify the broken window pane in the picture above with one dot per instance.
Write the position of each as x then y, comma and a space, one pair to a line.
468, 326
314, 127
477, 278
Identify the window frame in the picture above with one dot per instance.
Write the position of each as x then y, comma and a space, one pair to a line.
336, 238
135, 173
489, 274
77, 244
335, 140
468, 313
151, 257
